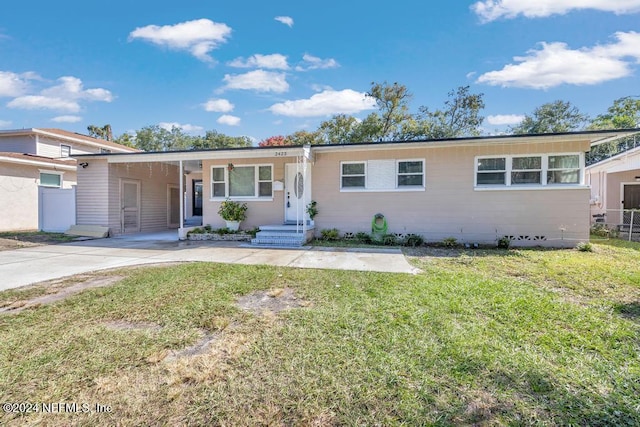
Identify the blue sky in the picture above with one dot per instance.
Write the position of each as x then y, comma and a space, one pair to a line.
260, 69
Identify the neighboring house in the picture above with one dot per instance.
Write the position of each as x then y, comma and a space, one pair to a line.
615, 190
38, 176
530, 188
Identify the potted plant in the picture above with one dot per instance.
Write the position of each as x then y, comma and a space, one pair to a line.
233, 213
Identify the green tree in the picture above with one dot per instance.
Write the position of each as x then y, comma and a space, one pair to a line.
126, 139
459, 117
340, 129
623, 114
303, 137
215, 140
552, 117
103, 132
393, 110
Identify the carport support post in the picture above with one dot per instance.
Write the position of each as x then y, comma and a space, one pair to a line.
181, 198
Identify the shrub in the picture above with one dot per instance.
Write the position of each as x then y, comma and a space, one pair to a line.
389, 240
253, 232
601, 230
584, 247
207, 228
504, 242
312, 209
450, 242
330, 234
413, 240
363, 237
233, 211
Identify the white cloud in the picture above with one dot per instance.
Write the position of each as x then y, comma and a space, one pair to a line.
286, 20
198, 37
555, 64
65, 96
13, 84
326, 103
185, 128
505, 119
218, 105
311, 62
5, 124
490, 10
258, 80
67, 119
228, 120
72, 88
274, 61
38, 102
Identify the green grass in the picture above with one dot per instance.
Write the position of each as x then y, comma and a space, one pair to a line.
36, 236
489, 337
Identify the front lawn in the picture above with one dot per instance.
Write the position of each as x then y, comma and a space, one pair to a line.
485, 337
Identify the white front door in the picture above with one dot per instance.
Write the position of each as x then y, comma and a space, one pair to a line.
129, 206
295, 186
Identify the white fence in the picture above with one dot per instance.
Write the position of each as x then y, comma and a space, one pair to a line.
56, 209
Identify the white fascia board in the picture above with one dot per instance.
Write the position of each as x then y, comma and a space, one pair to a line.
37, 163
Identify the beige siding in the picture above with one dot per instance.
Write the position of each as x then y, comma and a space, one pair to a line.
18, 197
92, 201
49, 147
260, 212
154, 178
449, 206
18, 144
614, 184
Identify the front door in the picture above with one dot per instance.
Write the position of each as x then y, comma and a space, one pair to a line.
631, 194
294, 189
129, 206
197, 197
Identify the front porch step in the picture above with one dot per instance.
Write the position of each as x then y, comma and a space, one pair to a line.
281, 235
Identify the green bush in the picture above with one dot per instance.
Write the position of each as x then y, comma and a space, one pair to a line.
363, 237
413, 240
450, 242
584, 247
389, 240
504, 242
330, 234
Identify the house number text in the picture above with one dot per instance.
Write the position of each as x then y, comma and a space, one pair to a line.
281, 153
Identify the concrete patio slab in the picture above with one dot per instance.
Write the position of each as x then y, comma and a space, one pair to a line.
25, 266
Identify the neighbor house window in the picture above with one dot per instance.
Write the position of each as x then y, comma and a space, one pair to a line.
50, 179
410, 173
65, 150
105, 151
541, 170
492, 171
564, 169
526, 170
353, 175
253, 181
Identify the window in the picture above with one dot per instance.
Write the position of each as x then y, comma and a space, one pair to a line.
353, 175
383, 175
492, 171
253, 181
541, 170
50, 179
65, 150
410, 173
564, 169
105, 151
526, 170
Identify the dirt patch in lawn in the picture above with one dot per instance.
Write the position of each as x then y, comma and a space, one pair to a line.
55, 293
270, 302
25, 239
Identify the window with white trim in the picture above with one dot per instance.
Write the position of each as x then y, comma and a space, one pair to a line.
526, 170
242, 182
382, 175
523, 170
564, 169
410, 173
353, 175
65, 150
53, 180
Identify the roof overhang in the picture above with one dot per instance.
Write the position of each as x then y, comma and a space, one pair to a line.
37, 163
66, 138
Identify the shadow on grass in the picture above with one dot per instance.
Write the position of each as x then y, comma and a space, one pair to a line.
629, 311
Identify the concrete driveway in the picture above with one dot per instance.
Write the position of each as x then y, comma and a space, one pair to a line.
36, 264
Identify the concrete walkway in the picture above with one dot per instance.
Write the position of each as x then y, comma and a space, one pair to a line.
36, 264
